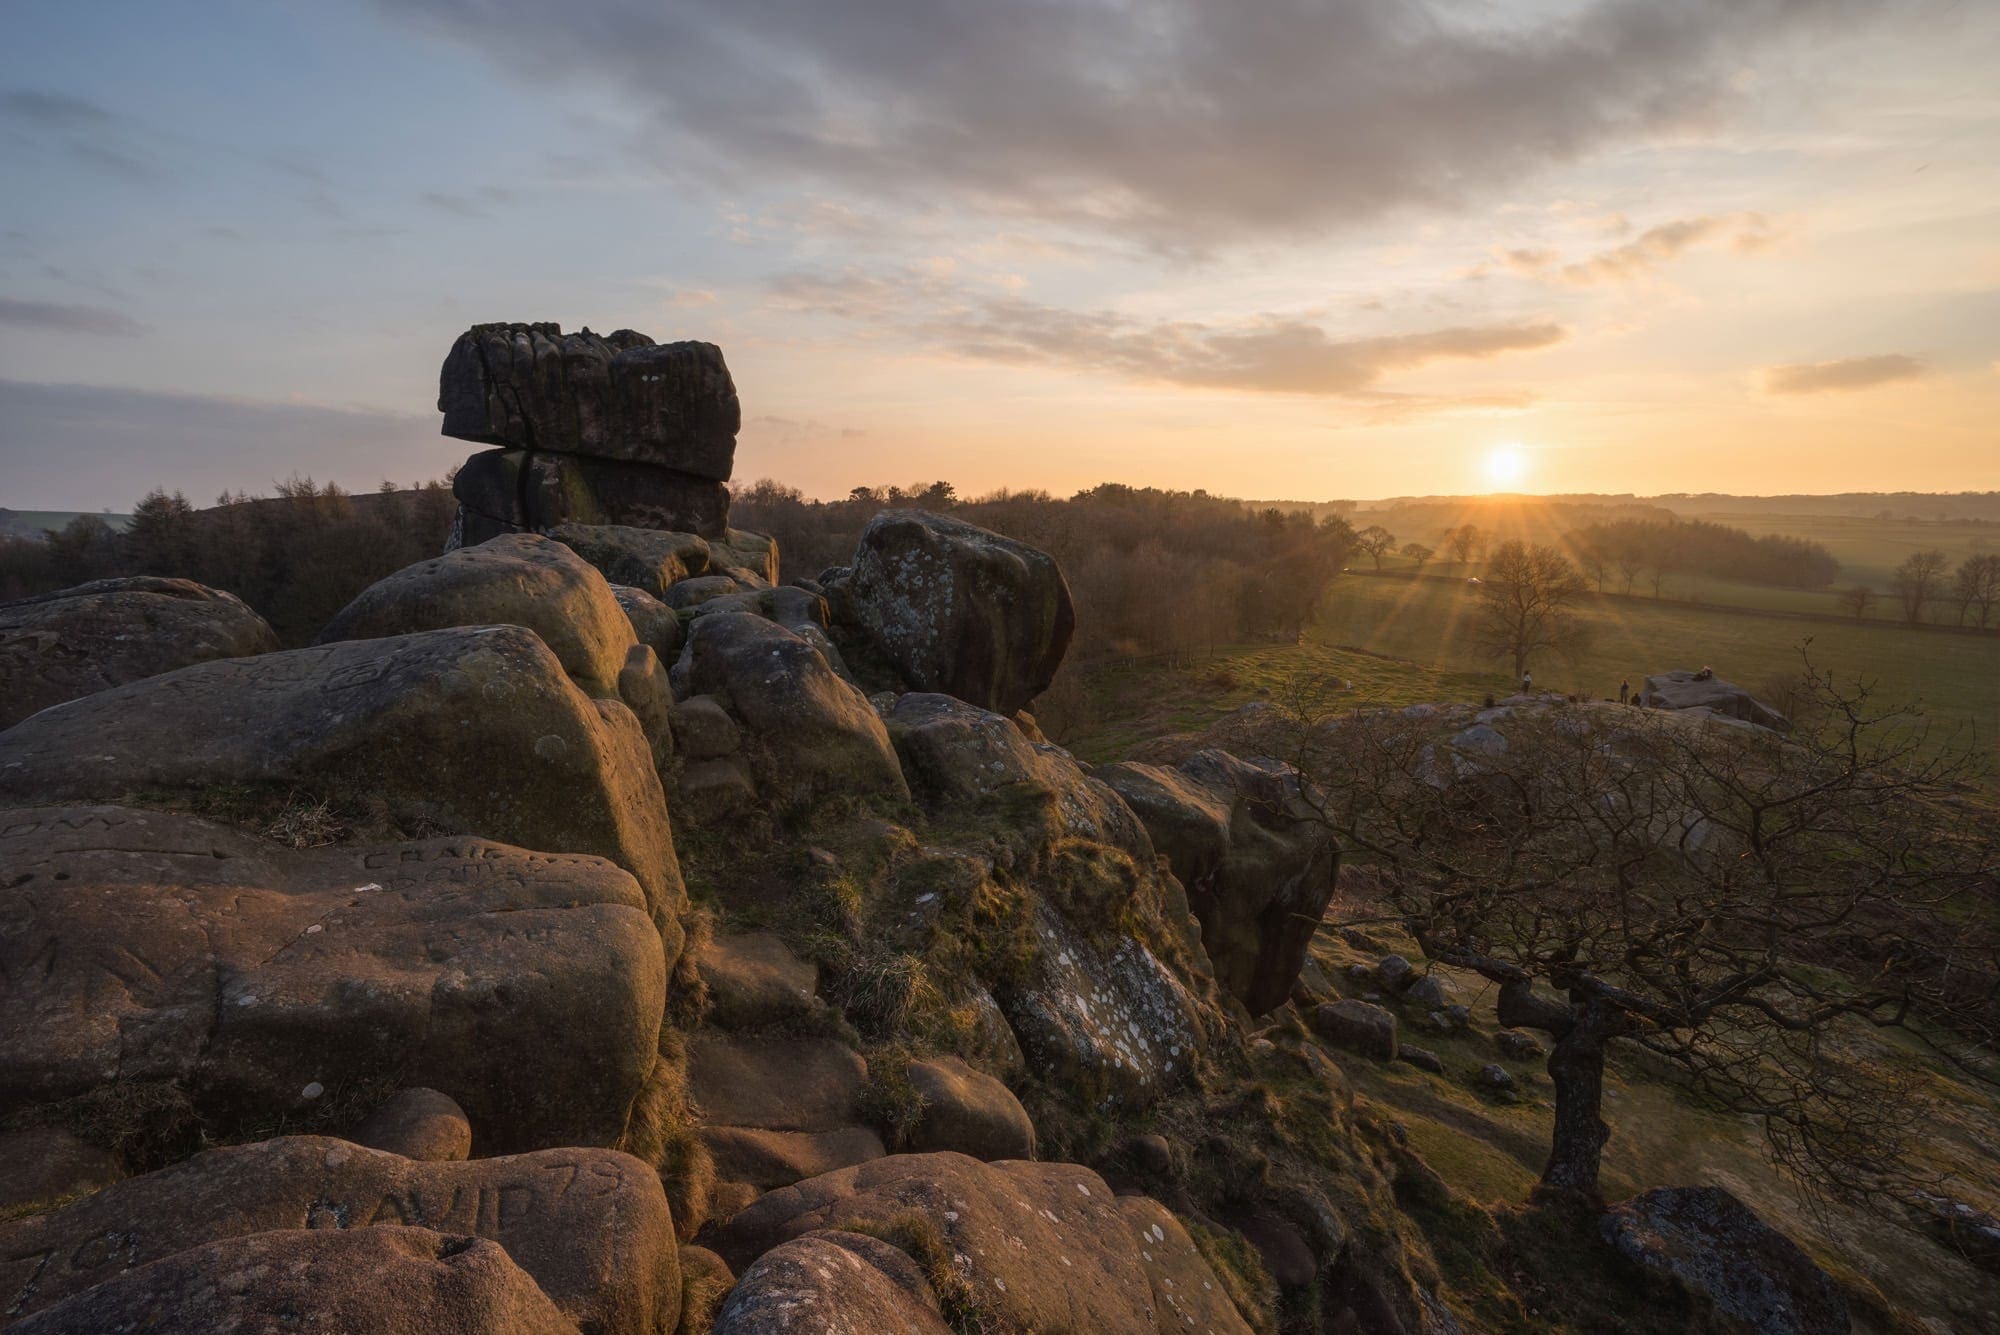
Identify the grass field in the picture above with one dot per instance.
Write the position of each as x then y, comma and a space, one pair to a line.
1399, 640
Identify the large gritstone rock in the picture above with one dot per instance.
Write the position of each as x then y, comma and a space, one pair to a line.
591, 1226
1257, 866
833, 1283
1039, 1246
518, 579
95, 636
809, 734
1715, 1249
960, 610
1688, 690
380, 1279
507, 491
649, 559
473, 729
968, 1111
1105, 1022
533, 387
958, 755
527, 986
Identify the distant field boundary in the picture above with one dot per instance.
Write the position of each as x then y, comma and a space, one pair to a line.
1734, 609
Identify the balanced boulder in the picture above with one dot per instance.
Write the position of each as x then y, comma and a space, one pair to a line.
590, 1226
958, 609
73, 642
528, 987
475, 729
1257, 866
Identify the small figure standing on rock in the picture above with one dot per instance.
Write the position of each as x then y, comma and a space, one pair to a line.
1527, 683
1624, 690
1707, 673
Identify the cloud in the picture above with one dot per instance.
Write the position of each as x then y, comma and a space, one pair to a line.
58, 111
1183, 123
84, 447
1743, 233
1845, 374
54, 317
476, 205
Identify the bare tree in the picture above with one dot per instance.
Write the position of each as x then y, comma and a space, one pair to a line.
1376, 541
1464, 543
1419, 554
1918, 581
1856, 601
1733, 902
1526, 603
1975, 586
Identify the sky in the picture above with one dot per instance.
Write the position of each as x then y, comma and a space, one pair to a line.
1279, 249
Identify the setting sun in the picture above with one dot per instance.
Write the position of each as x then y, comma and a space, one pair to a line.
1505, 466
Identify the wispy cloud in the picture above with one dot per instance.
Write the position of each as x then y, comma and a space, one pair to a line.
1743, 233
57, 318
1847, 373
1182, 123
477, 205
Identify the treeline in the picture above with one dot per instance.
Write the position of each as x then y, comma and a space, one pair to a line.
1152, 571
297, 557
1623, 552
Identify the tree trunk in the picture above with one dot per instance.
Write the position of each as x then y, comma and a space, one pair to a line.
1577, 1146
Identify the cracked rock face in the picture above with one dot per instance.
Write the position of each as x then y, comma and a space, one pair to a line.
533, 387
528, 987
591, 1226
960, 610
73, 642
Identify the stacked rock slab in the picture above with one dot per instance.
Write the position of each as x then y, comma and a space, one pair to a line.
588, 429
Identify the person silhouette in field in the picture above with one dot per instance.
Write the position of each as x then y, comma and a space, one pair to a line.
1707, 673
1624, 691
1527, 683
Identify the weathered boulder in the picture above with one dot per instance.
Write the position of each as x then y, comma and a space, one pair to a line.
526, 986
968, 1111
957, 609
363, 1279
649, 559
703, 729
1038, 1246
533, 387
1715, 1249
1359, 1027
754, 980
741, 550
517, 579
810, 733
1686, 690
1106, 1022
590, 1226
1431, 992
693, 593
1186, 1296
511, 491
76, 641
779, 1083
959, 755
40, 1165
653, 622
764, 1159
1258, 867
474, 729
832, 1282
417, 1124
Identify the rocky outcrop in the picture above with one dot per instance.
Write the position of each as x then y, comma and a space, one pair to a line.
1711, 1246
653, 622
1257, 866
517, 579
833, 1283
472, 729
649, 559
1044, 1247
1689, 690
960, 610
526, 986
809, 734
591, 1226
754, 981
379, 1279
533, 387
73, 642
1359, 1027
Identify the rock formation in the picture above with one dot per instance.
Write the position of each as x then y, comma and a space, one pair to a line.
590, 430
62, 645
1691, 690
